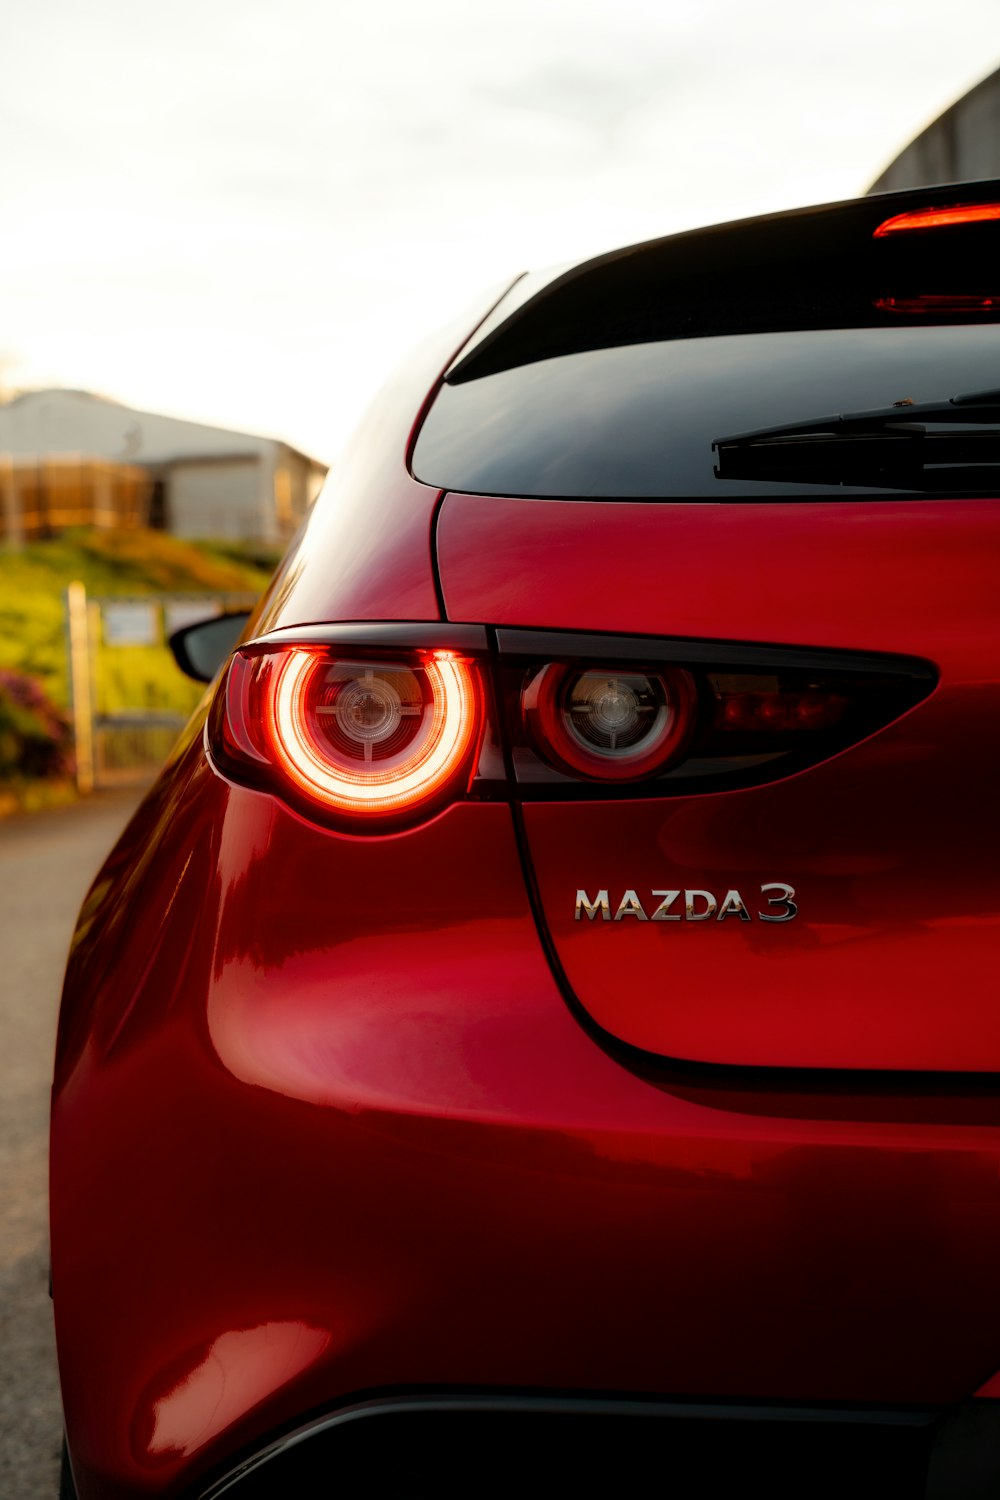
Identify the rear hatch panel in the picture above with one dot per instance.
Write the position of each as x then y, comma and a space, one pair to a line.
889, 961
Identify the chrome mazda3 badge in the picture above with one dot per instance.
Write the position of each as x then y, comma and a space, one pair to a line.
690, 905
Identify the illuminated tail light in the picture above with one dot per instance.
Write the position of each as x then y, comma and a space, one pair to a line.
367, 737
351, 736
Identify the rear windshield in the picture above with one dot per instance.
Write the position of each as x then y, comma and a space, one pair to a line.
638, 421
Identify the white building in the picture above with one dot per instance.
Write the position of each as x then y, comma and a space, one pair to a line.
203, 481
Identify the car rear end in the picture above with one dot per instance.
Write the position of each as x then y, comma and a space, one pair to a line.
543, 1023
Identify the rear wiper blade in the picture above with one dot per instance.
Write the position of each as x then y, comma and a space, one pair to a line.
908, 416
961, 462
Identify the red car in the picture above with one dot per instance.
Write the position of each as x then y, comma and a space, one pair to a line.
541, 1033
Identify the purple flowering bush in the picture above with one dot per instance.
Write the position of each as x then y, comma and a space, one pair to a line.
36, 738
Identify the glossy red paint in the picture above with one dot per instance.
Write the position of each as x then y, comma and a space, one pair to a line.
911, 576
280, 1082
888, 960
373, 522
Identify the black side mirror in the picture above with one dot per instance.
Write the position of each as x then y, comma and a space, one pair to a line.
199, 650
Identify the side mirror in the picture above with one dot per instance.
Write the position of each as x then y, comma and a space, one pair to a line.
199, 650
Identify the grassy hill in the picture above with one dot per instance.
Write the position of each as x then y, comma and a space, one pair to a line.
33, 583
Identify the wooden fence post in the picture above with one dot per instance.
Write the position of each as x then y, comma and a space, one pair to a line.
81, 698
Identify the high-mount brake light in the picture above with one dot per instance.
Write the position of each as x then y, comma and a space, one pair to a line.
940, 304
610, 724
351, 735
938, 218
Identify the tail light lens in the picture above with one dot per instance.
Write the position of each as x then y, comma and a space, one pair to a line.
777, 712
608, 723
352, 736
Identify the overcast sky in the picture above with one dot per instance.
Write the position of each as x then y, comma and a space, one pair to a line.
245, 212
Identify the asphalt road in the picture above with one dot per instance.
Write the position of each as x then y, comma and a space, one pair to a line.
47, 861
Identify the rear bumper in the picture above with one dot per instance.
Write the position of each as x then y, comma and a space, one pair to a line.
320, 1148
446, 1447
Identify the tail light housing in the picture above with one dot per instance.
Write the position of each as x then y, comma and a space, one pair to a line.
366, 735
686, 716
371, 729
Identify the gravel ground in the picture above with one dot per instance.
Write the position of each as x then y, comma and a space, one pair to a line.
47, 861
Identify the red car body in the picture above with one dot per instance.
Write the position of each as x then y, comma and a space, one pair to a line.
352, 1121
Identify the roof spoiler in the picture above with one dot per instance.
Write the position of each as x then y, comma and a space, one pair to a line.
861, 262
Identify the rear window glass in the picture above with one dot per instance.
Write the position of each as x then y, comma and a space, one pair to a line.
638, 421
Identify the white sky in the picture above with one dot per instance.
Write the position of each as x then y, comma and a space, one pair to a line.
245, 212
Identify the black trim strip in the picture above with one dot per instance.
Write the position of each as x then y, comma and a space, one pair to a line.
403, 633
914, 1418
540, 643
435, 560
536, 644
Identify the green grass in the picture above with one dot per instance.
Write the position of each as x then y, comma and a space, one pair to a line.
25, 796
33, 585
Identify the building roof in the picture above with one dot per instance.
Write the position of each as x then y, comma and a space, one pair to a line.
73, 421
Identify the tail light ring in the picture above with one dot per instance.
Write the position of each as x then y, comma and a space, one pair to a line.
442, 744
548, 712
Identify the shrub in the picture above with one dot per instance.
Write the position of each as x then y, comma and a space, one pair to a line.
35, 736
